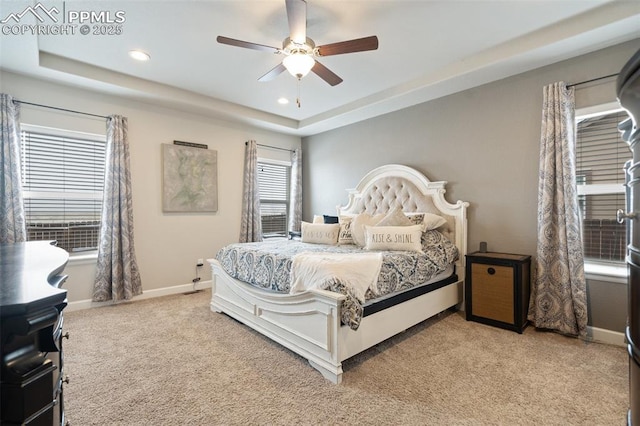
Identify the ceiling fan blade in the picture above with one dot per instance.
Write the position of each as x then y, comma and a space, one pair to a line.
246, 44
297, 16
350, 46
326, 74
273, 73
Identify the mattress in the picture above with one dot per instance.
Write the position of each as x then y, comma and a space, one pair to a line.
267, 265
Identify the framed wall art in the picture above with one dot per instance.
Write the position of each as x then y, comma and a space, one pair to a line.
189, 179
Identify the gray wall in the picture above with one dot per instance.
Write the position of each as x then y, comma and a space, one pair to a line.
483, 141
607, 304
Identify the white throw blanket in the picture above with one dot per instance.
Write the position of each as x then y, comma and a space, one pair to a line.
357, 271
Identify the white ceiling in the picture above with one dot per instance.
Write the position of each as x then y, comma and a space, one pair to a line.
427, 49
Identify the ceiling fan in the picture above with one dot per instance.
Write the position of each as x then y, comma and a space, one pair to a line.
300, 51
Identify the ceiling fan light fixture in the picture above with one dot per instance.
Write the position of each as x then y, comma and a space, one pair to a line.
300, 51
298, 64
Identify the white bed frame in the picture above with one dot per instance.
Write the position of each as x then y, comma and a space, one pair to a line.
309, 323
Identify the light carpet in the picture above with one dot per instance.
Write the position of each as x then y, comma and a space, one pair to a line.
171, 361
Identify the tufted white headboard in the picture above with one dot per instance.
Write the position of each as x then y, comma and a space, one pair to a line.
387, 186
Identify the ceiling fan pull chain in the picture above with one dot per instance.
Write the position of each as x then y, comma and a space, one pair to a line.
298, 97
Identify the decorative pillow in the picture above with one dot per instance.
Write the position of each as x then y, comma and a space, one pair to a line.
345, 236
395, 217
428, 220
318, 218
357, 226
330, 219
320, 233
406, 238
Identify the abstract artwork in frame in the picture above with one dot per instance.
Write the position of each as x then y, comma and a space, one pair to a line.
189, 179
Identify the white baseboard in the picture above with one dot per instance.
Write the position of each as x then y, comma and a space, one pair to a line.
147, 294
601, 335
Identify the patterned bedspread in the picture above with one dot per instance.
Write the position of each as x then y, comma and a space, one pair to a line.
267, 265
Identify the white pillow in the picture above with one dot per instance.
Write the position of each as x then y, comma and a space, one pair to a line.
357, 226
318, 218
320, 233
406, 238
428, 220
395, 217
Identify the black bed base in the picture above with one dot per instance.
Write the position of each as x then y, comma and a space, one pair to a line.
377, 305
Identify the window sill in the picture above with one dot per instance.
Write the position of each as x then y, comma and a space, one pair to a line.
604, 272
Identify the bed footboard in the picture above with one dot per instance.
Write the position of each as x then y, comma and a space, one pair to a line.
306, 323
309, 323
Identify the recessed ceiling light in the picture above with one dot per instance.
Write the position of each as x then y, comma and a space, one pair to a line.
139, 55
283, 101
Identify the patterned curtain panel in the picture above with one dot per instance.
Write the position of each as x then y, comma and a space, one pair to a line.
251, 224
12, 220
117, 275
558, 294
295, 204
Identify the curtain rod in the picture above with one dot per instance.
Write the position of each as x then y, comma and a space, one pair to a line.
60, 109
592, 80
272, 147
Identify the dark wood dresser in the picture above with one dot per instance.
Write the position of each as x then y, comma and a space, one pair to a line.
497, 289
31, 304
628, 91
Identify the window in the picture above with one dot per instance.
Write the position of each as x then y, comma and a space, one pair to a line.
62, 182
600, 157
274, 179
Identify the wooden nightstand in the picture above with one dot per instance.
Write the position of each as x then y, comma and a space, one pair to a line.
496, 289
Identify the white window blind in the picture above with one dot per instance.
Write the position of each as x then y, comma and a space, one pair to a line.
600, 157
274, 197
62, 181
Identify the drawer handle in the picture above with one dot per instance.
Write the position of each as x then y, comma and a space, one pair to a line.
491, 271
621, 216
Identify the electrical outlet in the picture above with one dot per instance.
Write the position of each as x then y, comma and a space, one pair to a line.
200, 262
